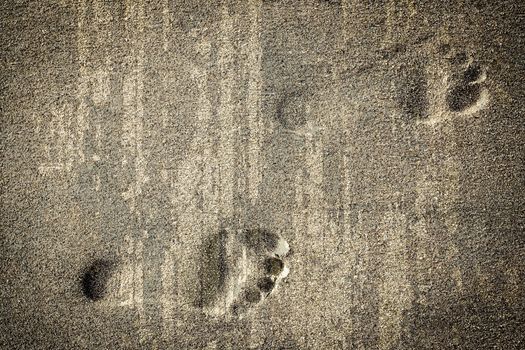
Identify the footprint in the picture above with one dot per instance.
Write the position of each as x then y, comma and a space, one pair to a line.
467, 93
292, 110
240, 269
460, 90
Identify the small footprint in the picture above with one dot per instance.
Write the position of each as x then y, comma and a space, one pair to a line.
292, 110
240, 270
457, 91
467, 94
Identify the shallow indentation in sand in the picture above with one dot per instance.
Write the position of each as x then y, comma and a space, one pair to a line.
240, 269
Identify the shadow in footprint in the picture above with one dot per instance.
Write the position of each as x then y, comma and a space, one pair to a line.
462, 97
214, 269
259, 239
95, 279
291, 110
273, 266
466, 92
471, 74
266, 285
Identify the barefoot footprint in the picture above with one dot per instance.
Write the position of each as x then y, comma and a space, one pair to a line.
467, 94
240, 270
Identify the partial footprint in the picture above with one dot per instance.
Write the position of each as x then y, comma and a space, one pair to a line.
467, 94
240, 269
96, 279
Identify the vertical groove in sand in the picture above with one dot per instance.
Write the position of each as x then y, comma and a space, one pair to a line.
225, 149
394, 288
194, 195
315, 225
254, 100
344, 225
166, 23
255, 127
83, 80
431, 190
168, 296
133, 113
168, 293
140, 171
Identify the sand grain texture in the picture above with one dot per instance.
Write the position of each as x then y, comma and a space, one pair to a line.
185, 145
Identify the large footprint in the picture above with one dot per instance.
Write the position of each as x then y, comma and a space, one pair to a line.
240, 269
